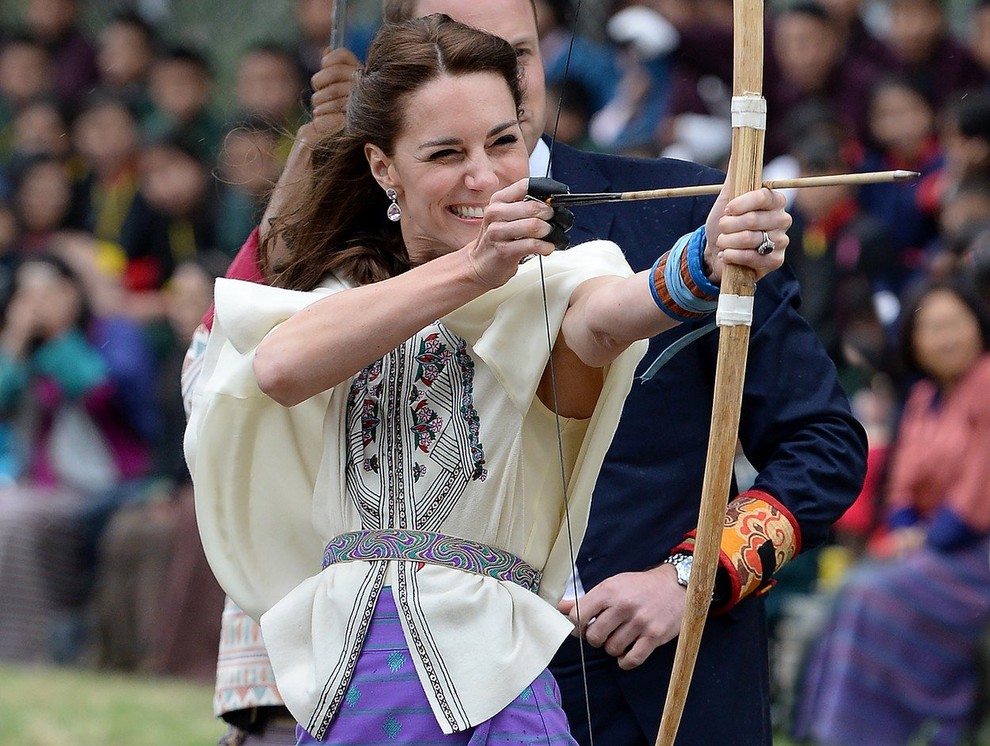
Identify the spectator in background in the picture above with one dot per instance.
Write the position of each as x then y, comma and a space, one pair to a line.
42, 202
591, 64
862, 46
181, 85
75, 386
965, 140
269, 86
918, 35
25, 74
39, 127
569, 114
314, 20
978, 36
55, 24
9, 250
901, 136
248, 170
126, 51
105, 135
172, 219
808, 61
964, 215
629, 122
897, 661
697, 126
157, 605
835, 245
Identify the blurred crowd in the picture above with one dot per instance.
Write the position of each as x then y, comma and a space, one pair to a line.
123, 194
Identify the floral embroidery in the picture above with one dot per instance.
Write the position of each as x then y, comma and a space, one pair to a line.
469, 413
369, 420
371, 464
433, 357
418, 471
366, 381
428, 425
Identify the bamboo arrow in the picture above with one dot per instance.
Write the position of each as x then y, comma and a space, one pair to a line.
595, 198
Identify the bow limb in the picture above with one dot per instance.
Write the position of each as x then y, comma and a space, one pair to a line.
733, 317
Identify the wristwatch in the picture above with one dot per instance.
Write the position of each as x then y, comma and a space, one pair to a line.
682, 562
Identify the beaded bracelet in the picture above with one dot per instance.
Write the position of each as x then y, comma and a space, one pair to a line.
678, 282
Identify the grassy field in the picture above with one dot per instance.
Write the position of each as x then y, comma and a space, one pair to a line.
55, 707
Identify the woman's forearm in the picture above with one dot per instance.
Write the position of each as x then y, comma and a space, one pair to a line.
334, 338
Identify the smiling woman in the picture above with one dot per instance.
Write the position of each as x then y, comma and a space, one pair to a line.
454, 162
389, 405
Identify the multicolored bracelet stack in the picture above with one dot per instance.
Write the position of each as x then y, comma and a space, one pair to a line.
678, 282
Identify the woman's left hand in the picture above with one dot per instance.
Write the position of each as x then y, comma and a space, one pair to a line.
737, 227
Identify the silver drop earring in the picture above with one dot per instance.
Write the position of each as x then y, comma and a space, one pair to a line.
394, 212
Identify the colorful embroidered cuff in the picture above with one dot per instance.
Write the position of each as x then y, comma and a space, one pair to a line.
678, 282
759, 537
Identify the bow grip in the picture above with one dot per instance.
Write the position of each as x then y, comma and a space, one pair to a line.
542, 188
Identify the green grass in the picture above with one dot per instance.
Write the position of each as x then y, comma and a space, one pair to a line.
55, 706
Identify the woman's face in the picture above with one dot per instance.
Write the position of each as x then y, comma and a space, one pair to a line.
901, 120
460, 143
947, 339
57, 300
44, 196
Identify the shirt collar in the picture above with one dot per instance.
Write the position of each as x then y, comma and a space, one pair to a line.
539, 159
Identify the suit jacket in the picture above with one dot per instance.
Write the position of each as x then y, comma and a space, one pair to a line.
796, 428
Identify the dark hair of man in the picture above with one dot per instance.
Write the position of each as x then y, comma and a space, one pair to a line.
809, 8
189, 56
972, 114
133, 19
340, 225
400, 11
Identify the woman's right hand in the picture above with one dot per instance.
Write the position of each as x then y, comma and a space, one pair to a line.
513, 228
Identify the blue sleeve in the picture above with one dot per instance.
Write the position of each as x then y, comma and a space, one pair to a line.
131, 367
903, 518
948, 531
72, 361
13, 378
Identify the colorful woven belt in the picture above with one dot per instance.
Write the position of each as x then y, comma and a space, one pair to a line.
433, 549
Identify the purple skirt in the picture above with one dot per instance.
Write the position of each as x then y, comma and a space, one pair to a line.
897, 663
385, 703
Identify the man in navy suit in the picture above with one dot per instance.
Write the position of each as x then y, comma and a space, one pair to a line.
796, 429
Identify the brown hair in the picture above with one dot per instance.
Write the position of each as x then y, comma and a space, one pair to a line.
340, 224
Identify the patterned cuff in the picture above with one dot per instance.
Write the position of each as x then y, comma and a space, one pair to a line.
678, 282
759, 537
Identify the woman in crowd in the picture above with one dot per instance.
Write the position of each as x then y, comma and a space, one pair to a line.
75, 387
392, 404
898, 660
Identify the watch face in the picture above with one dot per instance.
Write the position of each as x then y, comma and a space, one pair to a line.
683, 567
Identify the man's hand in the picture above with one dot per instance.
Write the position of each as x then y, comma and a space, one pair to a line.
332, 85
631, 614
